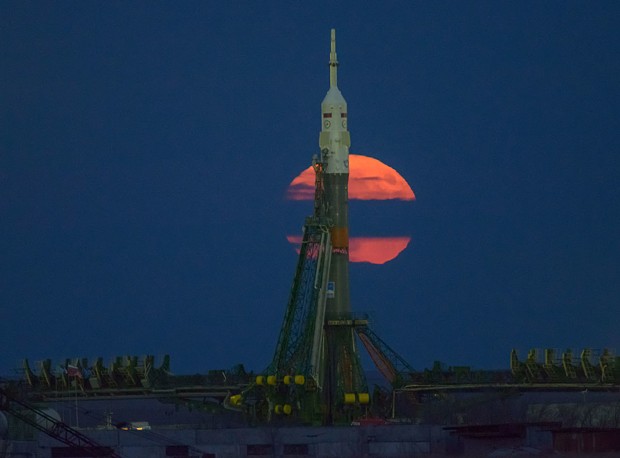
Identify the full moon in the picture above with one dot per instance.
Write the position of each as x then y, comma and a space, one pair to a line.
369, 179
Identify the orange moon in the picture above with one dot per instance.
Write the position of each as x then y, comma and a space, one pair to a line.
369, 179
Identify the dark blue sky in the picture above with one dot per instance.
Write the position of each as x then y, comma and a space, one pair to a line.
146, 147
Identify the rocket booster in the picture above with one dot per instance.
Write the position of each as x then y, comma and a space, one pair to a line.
334, 141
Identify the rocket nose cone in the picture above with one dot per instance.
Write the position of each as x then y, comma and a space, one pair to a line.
334, 96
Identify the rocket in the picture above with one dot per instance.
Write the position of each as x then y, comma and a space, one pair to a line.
317, 337
344, 381
334, 142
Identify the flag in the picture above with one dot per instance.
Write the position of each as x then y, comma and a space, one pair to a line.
74, 371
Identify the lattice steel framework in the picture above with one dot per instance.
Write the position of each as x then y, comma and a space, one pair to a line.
300, 341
